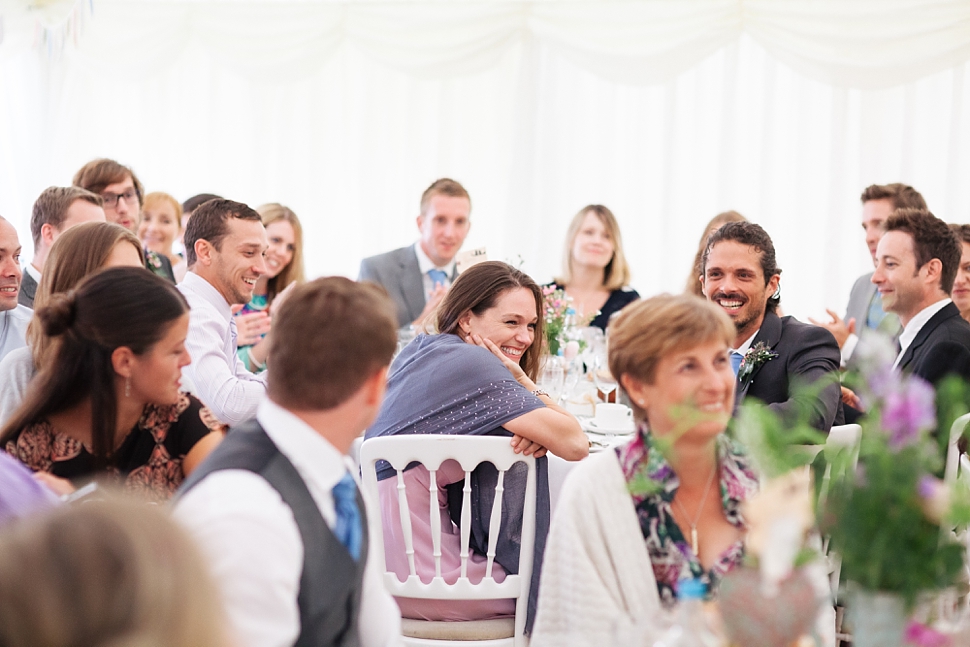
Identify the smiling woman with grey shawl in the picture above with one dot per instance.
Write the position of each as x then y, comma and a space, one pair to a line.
476, 377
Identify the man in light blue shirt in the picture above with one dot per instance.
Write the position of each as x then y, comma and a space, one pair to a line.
13, 316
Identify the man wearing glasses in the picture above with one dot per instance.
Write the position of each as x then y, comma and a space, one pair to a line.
122, 193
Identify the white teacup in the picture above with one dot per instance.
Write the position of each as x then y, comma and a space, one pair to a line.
613, 416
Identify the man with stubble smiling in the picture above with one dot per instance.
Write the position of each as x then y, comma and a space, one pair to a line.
740, 274
224, 246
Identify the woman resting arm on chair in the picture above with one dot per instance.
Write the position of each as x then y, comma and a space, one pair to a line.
475, 377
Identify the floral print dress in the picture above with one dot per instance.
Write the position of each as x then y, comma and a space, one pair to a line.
148, 462
653, 484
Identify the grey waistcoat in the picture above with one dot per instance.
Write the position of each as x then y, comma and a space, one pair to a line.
330, 584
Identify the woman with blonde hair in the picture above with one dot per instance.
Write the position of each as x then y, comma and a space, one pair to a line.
284, 267
694, 279
160, 227
594, 270
105, 574
77, 253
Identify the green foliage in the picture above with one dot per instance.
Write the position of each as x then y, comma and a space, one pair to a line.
877, 524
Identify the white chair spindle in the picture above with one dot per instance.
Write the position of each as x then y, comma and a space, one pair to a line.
495, 522
402, 503
466, 522
435, 522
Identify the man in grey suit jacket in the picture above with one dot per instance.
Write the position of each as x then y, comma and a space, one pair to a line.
865, 307
418, 276
56, 210
741, 275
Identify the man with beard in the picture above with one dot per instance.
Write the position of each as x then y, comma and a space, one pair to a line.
780, 354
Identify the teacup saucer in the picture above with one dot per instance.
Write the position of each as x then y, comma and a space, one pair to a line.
591, 425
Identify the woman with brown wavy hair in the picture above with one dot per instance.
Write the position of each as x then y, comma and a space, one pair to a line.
475, 377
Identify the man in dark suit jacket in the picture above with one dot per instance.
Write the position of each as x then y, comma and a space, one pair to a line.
917, 261
57, 209
28, 290
419, 275
779, 354
864, 310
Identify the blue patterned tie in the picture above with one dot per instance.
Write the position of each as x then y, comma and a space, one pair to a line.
348, 529
736, 358
438, 277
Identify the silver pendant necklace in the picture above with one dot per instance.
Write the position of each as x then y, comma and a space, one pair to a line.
700, 508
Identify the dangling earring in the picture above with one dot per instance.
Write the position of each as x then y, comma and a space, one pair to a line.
128, 387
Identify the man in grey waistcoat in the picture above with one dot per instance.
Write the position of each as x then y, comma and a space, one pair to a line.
275, 507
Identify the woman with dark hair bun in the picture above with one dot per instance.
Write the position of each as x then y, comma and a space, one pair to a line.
108, 401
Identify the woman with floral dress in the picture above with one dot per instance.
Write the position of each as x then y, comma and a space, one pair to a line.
108, 405
633, 522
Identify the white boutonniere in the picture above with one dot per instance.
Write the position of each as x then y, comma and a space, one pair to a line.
756, 356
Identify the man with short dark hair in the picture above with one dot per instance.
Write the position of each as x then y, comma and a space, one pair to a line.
14, 317
916, 263
57, 209
418, 276
780, 354
188, 208
864, 310
275, 507
123, 194
224, 245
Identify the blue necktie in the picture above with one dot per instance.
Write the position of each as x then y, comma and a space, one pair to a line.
438, 277
348, 529
736, 358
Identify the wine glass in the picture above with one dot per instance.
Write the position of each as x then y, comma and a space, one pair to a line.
602, 377
551, 378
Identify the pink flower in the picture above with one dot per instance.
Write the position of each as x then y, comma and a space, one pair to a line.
923, 636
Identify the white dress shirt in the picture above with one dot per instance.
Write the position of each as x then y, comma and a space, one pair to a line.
253, 545
915, 325
746, 346
425, 264
216, 375
13, 328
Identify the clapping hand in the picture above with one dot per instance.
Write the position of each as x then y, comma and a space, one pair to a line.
251, 327
840, 329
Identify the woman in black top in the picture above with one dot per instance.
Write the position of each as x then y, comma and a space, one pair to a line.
595, 272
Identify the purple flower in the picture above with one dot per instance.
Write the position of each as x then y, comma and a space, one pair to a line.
908, 411
927, 486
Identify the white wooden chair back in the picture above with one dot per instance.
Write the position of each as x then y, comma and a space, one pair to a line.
840, 438
953, 451
469, 451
